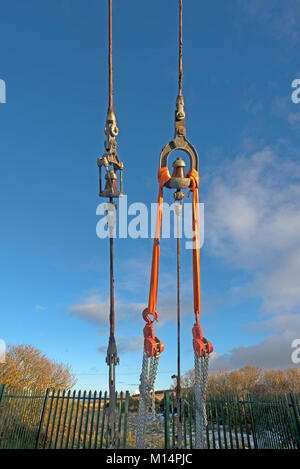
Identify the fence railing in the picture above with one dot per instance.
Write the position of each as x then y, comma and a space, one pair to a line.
78, 420
20, 415
237, 422
58, 419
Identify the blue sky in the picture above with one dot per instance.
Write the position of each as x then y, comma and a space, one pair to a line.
240, 59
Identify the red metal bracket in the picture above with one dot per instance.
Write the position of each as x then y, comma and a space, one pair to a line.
202, 347
152, 345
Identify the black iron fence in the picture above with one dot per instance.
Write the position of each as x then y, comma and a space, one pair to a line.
238, 422
75, 419
58, 419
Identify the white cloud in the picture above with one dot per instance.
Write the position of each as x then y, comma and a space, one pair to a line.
96, 311
273, 352
280, 288
283, 108
92, 309
279, 18
132, 344
283, 323
253, 223
294, 118
39, 308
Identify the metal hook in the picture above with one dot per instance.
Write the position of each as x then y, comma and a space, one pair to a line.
146, 317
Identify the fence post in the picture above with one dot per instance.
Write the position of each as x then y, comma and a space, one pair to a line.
190, 415
38, 438
295, 418
167, 420
173, 419
252, 421
2, 389
125, 420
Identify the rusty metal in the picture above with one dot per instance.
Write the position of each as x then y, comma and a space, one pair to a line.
111, 164
180, 113
178, 209
110, 160
179, 181
180, 49
178, 168
112, 358
111, 188
179, 142
110, 64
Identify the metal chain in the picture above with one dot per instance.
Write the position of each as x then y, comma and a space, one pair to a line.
152, 378
201, 375
140, 429
204, 373
151, 390
147, 380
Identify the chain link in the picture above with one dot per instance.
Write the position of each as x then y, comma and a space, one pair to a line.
147, 380
201, 375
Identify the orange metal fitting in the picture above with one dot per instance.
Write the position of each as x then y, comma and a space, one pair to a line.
152, 345
202, 347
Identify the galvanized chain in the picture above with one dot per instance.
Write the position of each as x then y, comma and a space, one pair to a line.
201, 375
141, 420
147, 380
152, 378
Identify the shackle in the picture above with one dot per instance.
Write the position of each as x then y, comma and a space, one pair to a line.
180, 142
